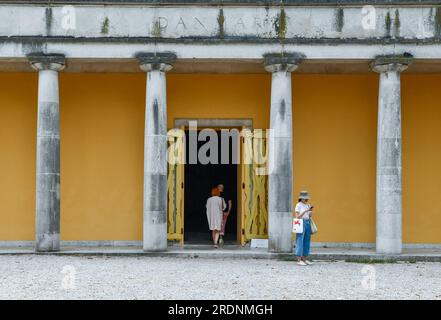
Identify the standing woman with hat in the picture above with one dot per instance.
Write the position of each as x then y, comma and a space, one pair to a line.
303, 211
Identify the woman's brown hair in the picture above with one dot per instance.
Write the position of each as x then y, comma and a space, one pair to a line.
215, 192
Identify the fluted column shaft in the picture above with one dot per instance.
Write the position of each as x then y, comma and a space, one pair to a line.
280, 180
155, 150
47, 226
389, 166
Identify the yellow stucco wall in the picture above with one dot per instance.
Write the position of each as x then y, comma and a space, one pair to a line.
102, 130
18, 133
102, 125
219, 96
421, 116
334, 152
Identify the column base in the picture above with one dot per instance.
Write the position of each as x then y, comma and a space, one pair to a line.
280, 232
388, 246
47, 243
155, 235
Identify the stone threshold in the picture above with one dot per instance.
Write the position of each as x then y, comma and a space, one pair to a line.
237, 252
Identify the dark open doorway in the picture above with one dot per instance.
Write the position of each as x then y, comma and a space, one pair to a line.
199, 179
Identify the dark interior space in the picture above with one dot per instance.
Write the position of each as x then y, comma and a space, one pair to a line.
199, 179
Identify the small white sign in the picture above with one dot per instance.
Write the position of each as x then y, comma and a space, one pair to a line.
259, 243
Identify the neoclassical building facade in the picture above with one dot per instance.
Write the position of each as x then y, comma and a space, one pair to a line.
94, 93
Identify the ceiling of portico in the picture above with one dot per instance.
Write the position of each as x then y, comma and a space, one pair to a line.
219, 66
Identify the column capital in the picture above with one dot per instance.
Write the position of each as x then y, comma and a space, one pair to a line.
43, 61
162, 61
282, 61
386, 63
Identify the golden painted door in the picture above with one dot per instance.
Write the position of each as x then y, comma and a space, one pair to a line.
254, 185
175, 185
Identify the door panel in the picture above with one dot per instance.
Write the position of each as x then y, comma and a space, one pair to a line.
175, 185
254, 185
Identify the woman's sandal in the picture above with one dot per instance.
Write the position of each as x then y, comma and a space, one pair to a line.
216, 246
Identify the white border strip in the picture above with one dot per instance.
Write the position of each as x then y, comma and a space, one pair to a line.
235, 51
122, 243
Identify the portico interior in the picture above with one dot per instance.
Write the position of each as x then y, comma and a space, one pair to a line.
102, 107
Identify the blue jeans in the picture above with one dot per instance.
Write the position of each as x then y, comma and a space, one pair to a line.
303, 240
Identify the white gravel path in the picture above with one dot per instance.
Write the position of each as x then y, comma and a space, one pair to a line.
47, 277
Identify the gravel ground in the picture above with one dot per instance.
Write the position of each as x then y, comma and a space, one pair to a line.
74, 277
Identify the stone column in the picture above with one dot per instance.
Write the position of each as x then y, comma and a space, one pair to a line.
47, 226
155, 150
389, 192
280, 163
